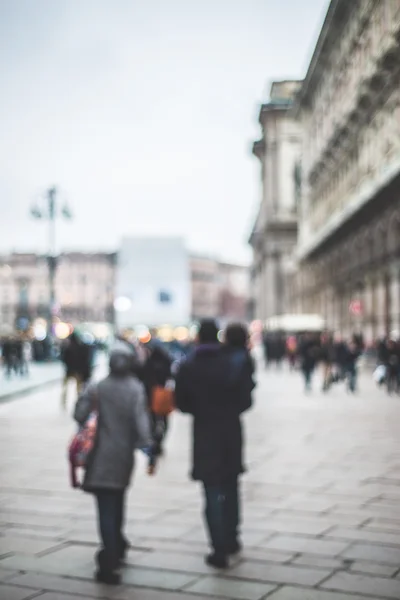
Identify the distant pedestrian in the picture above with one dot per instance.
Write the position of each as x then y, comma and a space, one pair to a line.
327, 358
309, 354
393, 366
76, 357
123, 426
350, 365
155, 373
212, 387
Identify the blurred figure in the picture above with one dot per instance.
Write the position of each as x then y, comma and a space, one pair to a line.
392, 357
291, 351
122, 427
237, 345
7, 352
309, 356
327, 358
340, 353
77, 361
156, 372
350, 366
212, 388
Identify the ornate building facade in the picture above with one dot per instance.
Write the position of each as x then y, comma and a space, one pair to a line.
349, 227
84, 288
274, 234
219, 290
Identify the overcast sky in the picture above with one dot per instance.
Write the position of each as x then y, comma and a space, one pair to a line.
143, 113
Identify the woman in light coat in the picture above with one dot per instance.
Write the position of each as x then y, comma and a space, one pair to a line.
123, 426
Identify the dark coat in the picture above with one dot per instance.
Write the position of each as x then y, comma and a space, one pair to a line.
156, 371
309, 353
76, 357
123, 426
215, 390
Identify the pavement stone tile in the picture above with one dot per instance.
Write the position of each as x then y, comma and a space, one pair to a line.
259, 554
306, 545
45, 564
6, 574
172, 561
279, 573
304, 527
8, 592
63, 584
371, 568
132, 593
291, 593
59, 596
371, 553
377, 587
153, 578
229, 588
318, 562
364, 535
24, 545
157, 531
54, 534
383, 525
186, 546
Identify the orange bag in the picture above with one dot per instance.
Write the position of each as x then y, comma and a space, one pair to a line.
162, 401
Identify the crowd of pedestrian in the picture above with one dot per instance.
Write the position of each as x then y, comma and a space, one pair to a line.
16, 354
388, 351
214, 385
337, 356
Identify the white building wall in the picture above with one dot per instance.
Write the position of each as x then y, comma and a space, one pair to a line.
148, 268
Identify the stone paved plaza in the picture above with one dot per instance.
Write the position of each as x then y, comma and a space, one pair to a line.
321, 505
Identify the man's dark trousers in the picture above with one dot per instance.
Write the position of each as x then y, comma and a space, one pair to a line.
222, 514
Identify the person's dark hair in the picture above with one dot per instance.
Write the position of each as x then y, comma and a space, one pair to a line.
208, 332
236, 335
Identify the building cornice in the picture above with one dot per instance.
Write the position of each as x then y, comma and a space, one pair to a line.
373, 93
360, 199
335, 14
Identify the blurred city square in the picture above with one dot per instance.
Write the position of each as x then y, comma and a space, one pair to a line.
152, 198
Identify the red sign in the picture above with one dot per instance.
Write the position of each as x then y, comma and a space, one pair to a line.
356, 308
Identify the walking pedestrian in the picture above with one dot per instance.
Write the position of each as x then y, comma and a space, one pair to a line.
123, 426
327, 357
76, 358
350, 365
212, 388
392, 366
309, 352
156, 373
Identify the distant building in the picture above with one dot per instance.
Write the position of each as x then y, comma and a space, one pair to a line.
274, 234
84, 288
349, 232
205, 287
219, 290
152, 282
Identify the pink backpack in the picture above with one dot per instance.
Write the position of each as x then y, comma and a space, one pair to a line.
83, 443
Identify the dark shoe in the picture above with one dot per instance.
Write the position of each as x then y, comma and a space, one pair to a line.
234, 548
217, 561
108, 577
125, 545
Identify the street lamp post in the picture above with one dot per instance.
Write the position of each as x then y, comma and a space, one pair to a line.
49, 212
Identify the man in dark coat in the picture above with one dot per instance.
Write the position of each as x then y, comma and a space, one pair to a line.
76, 358
207, 388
